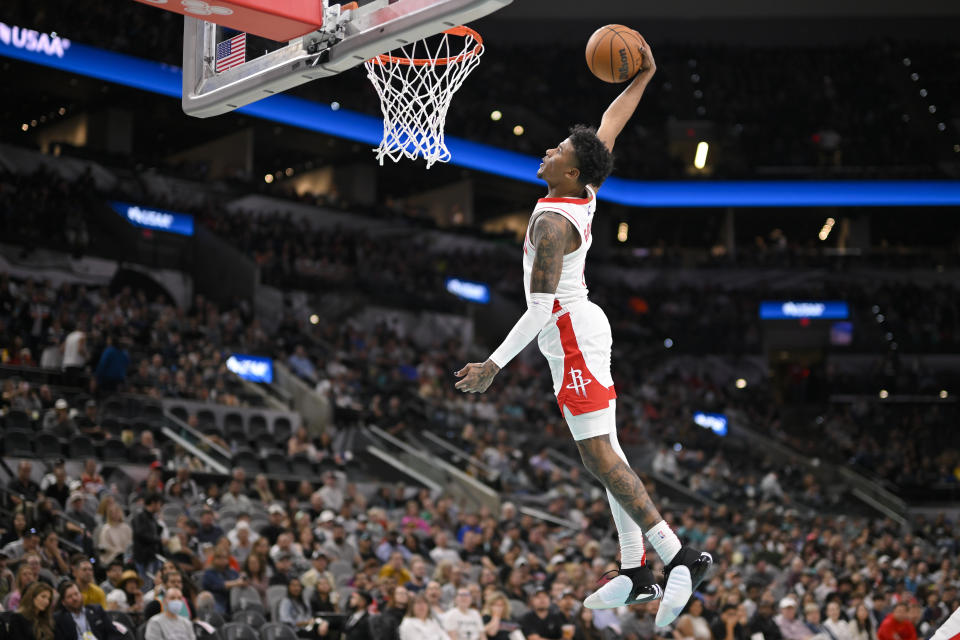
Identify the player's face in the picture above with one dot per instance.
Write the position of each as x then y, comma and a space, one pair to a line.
557, 162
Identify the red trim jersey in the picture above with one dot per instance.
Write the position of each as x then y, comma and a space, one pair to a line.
579, 211
577, 343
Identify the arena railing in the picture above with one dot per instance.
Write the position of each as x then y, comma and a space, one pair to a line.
453, 480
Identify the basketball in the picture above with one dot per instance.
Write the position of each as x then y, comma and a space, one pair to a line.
615, 53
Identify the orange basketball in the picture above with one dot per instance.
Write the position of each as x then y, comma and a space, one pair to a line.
615, 53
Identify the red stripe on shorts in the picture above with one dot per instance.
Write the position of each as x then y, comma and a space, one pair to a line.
580, 392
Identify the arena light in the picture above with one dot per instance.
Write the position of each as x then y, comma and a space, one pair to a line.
741, 383
518, 130
24, 127
252, 368
471, 291
943, 394
155, 219
814, 309
164, 79
884, 394
622, 231
314, 319
495, 115
716, 422
700, 159
826, 229
268, 178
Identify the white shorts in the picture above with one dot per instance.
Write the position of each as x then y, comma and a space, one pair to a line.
577, 347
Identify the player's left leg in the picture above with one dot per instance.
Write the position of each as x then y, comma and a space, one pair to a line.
685, 567
635, 582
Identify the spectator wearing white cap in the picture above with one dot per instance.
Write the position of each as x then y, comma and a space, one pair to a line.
58, 421
275, 527
791, 627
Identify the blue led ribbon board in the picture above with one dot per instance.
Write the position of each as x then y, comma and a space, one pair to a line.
60, 53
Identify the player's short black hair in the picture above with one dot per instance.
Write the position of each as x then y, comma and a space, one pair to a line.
594, 160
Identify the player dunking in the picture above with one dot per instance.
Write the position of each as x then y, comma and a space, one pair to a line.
575, 338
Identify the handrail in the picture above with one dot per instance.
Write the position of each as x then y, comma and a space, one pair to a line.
410, 471
189, 446
548, 517
878, 495
681, 488
491, 495
199, 436
562, 457
483, 466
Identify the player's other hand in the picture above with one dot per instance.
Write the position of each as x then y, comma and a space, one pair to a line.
477, 377
649, 63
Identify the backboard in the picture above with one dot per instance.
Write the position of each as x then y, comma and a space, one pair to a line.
337, 39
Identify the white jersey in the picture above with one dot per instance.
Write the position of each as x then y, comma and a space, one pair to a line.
577, 343
579, 211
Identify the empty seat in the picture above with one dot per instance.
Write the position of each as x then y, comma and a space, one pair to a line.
257, 429
115, 407
114, 451
251, 615
277, 631
248, 460
264, 444
205, 417
47, 445
17, 419
258, 422
18, 442
301, 466
276, 463
82, 447
236, 433
238, 631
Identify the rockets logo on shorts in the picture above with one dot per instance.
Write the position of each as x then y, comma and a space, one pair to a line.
579, 385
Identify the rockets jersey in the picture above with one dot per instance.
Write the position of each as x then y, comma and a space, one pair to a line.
579, 211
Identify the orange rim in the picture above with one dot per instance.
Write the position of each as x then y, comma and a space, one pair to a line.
386, 58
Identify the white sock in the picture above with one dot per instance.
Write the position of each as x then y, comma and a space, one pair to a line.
664, 541
632, 553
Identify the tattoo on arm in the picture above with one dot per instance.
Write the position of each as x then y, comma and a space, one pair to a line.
601, 460
550, 239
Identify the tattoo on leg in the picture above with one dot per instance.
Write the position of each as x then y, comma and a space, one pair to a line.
600, 459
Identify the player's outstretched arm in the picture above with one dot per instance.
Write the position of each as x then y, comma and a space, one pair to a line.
620, 111
550, 234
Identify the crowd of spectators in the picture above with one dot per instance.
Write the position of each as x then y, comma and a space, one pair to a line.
123, 340
340, 560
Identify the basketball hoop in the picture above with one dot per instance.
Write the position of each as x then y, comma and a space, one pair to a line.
415, 89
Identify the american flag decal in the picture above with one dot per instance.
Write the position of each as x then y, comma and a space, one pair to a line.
232, 52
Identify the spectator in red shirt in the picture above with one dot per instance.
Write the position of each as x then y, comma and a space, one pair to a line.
897, 625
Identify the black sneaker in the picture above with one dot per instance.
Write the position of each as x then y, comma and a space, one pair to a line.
684, 574
631, 586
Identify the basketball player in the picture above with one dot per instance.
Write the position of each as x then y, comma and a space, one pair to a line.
575, 338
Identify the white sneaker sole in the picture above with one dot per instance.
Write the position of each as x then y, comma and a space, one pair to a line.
675, 596
594, 601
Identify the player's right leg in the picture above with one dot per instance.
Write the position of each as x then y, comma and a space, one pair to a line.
634, 583
685, 567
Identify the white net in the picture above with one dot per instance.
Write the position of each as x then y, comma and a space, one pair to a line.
416, 85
